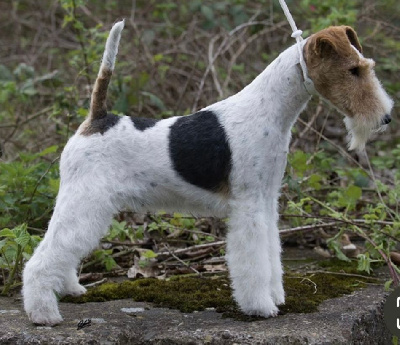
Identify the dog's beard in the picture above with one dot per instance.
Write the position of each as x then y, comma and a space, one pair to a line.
359, 132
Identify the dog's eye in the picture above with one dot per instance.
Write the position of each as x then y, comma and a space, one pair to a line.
355, 71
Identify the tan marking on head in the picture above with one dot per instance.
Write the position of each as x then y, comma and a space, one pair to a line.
342, 75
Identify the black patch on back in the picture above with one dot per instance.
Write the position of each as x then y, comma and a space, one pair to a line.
103, 124
200, 151
142, 123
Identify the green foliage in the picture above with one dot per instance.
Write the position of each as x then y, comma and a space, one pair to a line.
105, 258
122, 232
28, 187
16, 245
389, 160
19, 89
376, 220
119, 231
226, 14
177, 222
332, 12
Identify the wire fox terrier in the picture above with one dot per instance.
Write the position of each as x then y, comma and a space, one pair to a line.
226, 160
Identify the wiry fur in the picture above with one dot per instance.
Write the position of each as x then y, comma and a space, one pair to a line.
122, 167
346, 79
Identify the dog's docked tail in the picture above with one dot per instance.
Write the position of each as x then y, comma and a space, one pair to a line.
98, 106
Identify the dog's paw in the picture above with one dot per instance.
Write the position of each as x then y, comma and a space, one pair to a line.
264, 312
40, 304
45, 317
265, 309
74, 290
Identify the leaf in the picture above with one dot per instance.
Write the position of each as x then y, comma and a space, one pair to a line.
149, 254
364, 263
153, 227
54, 185
110, 263
20, 230
298, 161
335, 246
314, 181
388, 284
28, 88
350, 196
354, 193
26, 255
3, 243
207, 12
3, 263
23, 71
361, 181
7, 233
10, 252
5, 73
82, 112
23, 240
158, 57
139, 233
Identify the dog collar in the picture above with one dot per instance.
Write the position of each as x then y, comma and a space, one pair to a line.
308, 83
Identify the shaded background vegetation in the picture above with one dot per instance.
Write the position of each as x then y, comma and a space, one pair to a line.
177, 57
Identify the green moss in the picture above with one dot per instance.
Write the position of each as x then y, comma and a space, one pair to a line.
303, 293
184, 293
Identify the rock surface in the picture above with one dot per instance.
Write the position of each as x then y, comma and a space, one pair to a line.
352, 319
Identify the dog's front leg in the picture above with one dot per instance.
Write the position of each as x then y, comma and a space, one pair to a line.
249, 258
274, 249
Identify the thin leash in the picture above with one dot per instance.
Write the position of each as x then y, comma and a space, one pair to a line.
296, 34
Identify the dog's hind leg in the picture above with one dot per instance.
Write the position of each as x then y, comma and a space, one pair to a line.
79, 221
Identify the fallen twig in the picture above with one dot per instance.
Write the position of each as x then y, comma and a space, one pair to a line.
99, 282
187, 264
306, 228
197, 246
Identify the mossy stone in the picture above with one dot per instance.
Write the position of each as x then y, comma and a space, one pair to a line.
304, 292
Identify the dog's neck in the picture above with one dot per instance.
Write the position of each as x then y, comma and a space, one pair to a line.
282, 84
275, 98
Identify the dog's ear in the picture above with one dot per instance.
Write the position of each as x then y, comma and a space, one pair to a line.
353, 38
323, 45
335, 40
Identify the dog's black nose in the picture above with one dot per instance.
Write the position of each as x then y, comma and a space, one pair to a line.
386, 119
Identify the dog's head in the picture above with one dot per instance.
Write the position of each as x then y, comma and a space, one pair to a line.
344, 77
